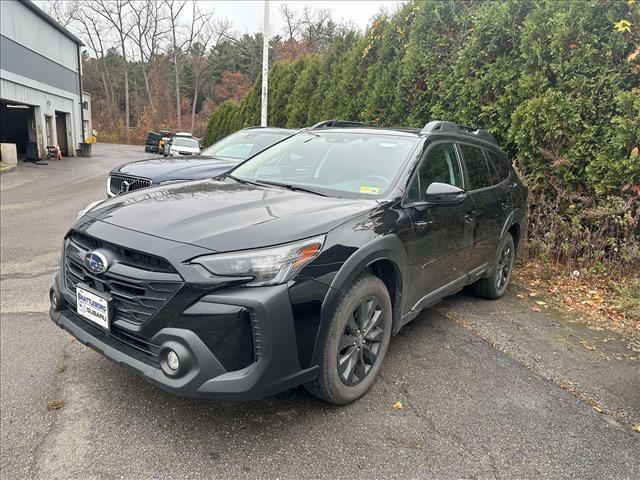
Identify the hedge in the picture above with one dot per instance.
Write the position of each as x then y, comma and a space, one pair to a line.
555, 82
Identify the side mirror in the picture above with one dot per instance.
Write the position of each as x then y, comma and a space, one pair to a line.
444, 193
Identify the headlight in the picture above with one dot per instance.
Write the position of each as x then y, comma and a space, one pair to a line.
88, 208
267, 266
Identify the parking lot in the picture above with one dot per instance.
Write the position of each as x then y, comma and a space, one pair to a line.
468, 410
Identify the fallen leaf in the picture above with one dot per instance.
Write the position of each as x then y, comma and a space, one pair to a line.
597, 408
636, 427
597, 328
587, 345
55, 405
397, 406
540, 302
535, 309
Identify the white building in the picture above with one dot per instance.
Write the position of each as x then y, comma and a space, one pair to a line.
40, 81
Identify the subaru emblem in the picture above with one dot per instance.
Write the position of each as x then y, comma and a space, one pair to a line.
96, 262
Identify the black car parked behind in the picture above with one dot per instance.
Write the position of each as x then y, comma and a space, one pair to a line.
297, 266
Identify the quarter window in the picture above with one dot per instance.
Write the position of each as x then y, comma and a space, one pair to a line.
500, 167
441, 165
477, 168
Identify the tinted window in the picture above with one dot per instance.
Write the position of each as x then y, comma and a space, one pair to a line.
500, 168
441, 165
361, 165
477, 168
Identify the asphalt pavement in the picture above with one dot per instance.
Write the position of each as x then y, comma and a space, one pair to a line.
469, 410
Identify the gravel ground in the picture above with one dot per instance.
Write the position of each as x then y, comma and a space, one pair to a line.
469, 410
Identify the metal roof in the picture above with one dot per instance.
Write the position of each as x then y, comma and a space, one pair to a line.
50, 20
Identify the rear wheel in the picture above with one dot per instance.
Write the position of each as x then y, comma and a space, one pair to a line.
496, 284
356, 343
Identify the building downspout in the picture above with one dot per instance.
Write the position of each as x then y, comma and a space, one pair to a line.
81, 102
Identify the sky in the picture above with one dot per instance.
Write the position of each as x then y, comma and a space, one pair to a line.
246, 15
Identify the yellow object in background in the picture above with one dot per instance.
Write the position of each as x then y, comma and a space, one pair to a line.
372, 190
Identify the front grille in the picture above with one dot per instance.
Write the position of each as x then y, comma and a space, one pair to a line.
140, 284
184, 153
119, 184
126, 256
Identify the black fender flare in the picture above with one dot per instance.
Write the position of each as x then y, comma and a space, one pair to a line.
515, 217
389, 248
507, 224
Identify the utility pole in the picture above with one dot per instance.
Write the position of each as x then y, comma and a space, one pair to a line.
265, 64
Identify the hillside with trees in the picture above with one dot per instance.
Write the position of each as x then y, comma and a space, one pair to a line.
169, 64
557, 83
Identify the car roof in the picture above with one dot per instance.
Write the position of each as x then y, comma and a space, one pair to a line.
370, 131
434, 127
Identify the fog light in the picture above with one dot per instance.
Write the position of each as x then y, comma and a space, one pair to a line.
173, 362
57, 302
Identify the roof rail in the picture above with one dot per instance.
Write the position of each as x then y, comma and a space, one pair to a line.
444, 126
335, 123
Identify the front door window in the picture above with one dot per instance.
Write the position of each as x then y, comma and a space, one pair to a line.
442, 166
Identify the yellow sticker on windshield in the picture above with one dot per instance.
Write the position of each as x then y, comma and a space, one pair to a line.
372, 190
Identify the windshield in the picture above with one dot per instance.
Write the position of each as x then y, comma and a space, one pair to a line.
184, 142
358, 165
241, 145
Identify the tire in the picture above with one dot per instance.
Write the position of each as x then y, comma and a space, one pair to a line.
365, 306
495, 286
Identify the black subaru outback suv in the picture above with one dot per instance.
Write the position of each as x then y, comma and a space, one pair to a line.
297, 266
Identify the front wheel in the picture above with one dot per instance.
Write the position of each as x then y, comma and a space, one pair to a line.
496, 284
356, 343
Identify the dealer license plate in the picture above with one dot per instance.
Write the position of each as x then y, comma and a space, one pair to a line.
93, 307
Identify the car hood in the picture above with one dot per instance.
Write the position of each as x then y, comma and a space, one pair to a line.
162, 169
225, 216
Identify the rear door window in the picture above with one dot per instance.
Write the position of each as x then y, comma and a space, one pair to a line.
477, 167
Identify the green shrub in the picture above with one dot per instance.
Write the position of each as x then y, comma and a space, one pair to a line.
224, 122
556, 82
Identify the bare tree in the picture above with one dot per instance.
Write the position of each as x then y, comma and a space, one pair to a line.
206, 41
94, 31
60, 10
150, 25
117, 15
317, 27
182, 37
291, 21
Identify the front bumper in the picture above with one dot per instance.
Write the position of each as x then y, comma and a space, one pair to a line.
201, 374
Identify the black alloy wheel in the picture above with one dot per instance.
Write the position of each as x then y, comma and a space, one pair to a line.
361, 341
495, 284
505, 262
355, 343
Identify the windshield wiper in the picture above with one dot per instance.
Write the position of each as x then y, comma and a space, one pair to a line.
293, 188
241, 180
